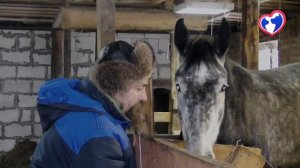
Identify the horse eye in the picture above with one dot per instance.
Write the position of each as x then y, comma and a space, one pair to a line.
224, 87
178, 88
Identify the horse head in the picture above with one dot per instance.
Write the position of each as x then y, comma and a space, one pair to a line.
201, 81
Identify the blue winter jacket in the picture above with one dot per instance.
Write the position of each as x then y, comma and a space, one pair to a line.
82, 128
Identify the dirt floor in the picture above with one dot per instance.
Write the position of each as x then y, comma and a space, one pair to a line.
19, 156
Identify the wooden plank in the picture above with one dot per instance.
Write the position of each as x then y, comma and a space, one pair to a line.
174, 66
130, 20
56, 59
29, 9
105, 23
58, 19
162, 116
18, 19
238, 156
67, 53
157, 1
159, 153
250, 34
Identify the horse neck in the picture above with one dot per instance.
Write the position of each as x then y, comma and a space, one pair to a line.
236, 72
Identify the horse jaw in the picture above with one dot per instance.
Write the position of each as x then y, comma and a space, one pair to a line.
201, 137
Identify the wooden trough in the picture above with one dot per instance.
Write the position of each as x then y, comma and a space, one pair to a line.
167, 153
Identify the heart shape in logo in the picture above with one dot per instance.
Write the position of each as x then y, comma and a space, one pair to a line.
273, 23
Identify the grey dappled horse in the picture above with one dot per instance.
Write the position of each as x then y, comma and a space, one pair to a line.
261, 108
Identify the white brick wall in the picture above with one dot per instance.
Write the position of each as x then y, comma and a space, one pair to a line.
26, 32
154, 44
36, 117
7, 144
40, 43
82, 71
42, 32
42, 58
157, 36
26, 115
22, 86
163, 45
7, 71
24, 42
128, 40
162, 58
155, 76
27, 100
9, 115
79, 57
38, 131
164, 73
31, 72
6, 101
131, 35
48, 72
36, 85
14, 130
25, 59
16, 56
6, 42
85, 43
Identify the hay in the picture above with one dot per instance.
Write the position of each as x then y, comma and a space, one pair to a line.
19, 156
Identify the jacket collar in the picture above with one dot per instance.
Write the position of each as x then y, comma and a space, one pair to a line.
110, 105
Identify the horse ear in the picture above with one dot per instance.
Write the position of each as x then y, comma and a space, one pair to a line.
181, 35
222, 40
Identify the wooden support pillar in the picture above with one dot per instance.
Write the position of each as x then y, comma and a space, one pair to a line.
250, 33
176, 128
56, 59
105, 23
67, 53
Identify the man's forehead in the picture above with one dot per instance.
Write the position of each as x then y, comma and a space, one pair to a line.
143, 81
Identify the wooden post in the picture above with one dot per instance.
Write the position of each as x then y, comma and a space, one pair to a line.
176, 128
56, 59
105, 23
67, 53
250, 34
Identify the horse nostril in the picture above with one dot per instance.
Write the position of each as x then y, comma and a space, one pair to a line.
210, 155
224, 87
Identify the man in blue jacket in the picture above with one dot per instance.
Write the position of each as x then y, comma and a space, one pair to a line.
84, 121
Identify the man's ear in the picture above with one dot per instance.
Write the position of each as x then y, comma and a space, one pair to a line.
222, 40
181, 36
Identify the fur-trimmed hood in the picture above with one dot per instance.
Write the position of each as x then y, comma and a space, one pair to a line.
120, 64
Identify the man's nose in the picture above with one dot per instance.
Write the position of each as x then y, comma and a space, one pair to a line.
143, 97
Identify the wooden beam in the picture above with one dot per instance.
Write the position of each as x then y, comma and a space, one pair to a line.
250, 34
105, 23
67, 53
130, 20
33, 20
162, 116
56, 59
157, 1
58, 19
